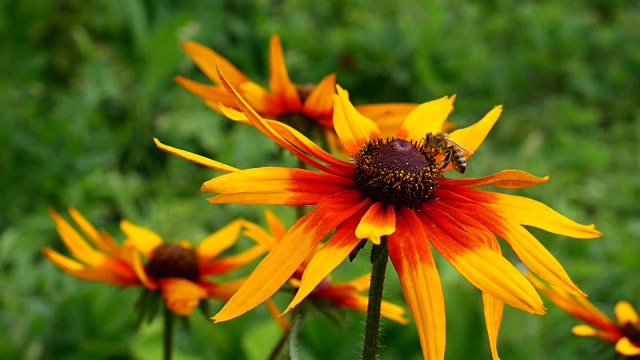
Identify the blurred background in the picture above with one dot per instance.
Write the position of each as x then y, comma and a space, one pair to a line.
85, 86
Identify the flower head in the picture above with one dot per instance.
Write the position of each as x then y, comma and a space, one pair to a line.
425, 209
624, 333
177, 270
301, 106
342, 294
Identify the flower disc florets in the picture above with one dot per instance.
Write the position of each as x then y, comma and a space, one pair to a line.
397, 172
171, 260
632, 332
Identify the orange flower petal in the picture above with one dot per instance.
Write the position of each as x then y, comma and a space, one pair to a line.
388, 117
319, 103
195, 158
276, 268
274, 185
353, 129
334, 251
261, 124
83, 272
507, 179
76, 244
337, 166
228, 263
223, 291
625, 313
258, 234
281, 87
472, 136
276, 227
132, 255
181, 295
218, 241
476, 261
274, 311
427, 117
207, 60
379, 220
625, 347
143, 239
212, 95
412, 259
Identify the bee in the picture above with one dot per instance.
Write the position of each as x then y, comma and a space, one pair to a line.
452, 151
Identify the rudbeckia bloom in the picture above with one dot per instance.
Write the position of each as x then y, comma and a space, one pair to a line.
302, 106
394, 187
177, 270
624, 333
343, 294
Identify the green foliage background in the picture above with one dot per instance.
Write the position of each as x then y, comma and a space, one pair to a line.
86, 85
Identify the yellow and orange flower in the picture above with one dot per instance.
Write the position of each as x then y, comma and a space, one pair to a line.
344, 294
394, 187
178, 271
285, 101
625, 333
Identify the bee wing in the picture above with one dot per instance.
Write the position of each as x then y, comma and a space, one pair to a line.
467, 152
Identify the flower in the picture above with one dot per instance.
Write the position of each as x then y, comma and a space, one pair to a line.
625, 334
344, 294
176, 270
302, 106
395, 188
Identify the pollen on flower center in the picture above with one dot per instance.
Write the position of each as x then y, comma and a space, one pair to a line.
171, 260
397, 172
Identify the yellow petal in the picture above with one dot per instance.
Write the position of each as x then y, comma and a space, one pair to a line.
195, 158
584, 330
537, 258
412, 259
276, 268
388, 117
273, 185
334, 251
625, 313
279, 83
379, 220
507, 179
181, 295
274, 311
143, 239
530, 212
472, 136
225, 290
102, 242
477, 262
218, 241
256, 233
212, 95
427, 117
76, 244
493, 317
625, 347
353, 129
207, 60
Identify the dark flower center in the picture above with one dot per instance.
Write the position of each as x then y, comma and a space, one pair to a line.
632, 331
397, 172
304, 90
170, 260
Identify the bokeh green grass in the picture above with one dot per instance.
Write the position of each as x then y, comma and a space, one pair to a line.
86, 85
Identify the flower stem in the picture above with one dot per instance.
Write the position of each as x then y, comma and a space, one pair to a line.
275, 353
168, 333
294, 332
379, 259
